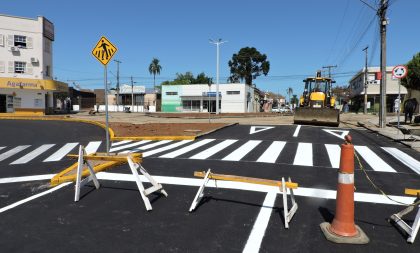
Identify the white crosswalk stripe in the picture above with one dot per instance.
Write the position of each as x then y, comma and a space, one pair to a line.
187, 149
92, 147
303, 154
271, 154
213, 150
2, 148
374, 161
13, 151
114, 144
404, 158
242, 151
128, 146
334, 153
161, 149
59, 154
30, 156
146, 147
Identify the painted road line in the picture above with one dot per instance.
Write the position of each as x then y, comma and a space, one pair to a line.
119, 143
404, 158
187, 148
92, 147
271, 154
59, 154
258, 231
213, 150
30, 156
301, 191
239, 153
26, 178
13, 151
2, 148
159, 150
303, 154
374, 161
297, 131
334, 153
23, 201
138, 143
158, 143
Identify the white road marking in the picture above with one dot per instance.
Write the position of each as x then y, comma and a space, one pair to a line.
158, 143
114, 144
334, 153
2, 148
13, 151
187, 148
23, 201
404, 158
304, 154
297, 131
213, 150
26, 178
138, 143
373, 160
253, 130
159, 150
30, 156
301, 191
258, 231
59, 154
242, 151
333, 132
92, 147
271, 154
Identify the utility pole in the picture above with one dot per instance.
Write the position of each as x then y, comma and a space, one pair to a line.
383, 23
132, 94
366, 81
329, 69
217, 43
118, 83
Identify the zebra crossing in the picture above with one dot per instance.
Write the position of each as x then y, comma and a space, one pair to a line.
224, 150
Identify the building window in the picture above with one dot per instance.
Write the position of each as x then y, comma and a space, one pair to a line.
233, 92
47, 70
191, 105
20, 41
20, 67
171, 93
47, 46
186, 105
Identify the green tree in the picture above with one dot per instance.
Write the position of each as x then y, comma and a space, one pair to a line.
412, 80
201, 79
154, 69
248, 64
188, 78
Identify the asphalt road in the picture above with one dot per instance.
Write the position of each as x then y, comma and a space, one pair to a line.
113, 218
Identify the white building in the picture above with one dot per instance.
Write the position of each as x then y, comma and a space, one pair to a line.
26, 66
233, 98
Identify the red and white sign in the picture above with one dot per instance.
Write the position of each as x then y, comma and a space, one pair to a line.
399, 71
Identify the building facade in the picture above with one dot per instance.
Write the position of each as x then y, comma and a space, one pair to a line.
26, 66
233, 98
357, 89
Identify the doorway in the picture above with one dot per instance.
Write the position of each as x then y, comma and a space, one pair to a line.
3, 107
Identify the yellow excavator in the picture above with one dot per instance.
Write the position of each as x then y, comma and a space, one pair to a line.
316, 105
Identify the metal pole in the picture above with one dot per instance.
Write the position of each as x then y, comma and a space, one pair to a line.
132, 94
106, 110
366, 83
383, 22
399, 103
217, 77
118, 83
208, 106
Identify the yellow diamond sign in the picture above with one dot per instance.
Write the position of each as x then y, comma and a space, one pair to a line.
104, 50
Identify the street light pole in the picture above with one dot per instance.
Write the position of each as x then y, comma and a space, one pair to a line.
132, 94
217, 43
118, 83
366, 81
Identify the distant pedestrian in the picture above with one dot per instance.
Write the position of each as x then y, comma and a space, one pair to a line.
397, 103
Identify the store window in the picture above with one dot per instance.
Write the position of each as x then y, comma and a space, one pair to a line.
20, 67
171, 93
20, 41
191, 105
47, 70
233, 92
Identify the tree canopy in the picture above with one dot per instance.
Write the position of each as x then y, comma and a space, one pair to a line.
412, 80
154, 69
188, 78
248, 64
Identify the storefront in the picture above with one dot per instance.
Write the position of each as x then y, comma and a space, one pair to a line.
21, 95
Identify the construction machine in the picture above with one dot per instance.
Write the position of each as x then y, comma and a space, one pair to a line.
316, 105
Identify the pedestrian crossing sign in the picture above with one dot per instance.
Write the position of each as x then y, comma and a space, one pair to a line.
104, 50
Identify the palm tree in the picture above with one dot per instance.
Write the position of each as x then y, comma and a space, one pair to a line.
289, 91
154, 68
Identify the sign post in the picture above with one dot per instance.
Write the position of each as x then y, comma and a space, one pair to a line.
399, 72
103, 52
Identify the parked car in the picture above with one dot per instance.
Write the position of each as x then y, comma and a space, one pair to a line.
275, 109
285, 110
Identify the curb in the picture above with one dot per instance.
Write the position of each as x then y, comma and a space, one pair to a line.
214, 130
154, 138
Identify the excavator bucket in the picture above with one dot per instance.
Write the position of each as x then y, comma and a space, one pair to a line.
317, 116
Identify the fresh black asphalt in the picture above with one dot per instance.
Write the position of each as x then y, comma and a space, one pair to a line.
113, 218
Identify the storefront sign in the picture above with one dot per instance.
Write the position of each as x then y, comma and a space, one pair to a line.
32, 84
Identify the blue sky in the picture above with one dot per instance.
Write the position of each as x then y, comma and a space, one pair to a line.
299, 36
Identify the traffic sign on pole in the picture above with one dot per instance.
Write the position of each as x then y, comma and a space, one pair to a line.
399, 71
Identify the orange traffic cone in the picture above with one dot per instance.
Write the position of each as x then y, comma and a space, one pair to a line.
343, 229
